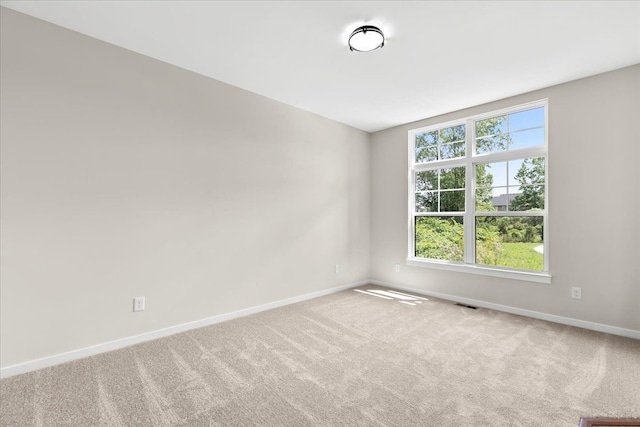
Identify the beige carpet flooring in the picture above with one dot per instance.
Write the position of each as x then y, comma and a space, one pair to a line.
347, 359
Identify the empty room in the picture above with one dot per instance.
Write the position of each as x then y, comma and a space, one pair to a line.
320, 213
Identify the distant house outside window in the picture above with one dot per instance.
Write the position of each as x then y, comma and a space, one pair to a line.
478, 194
501, 202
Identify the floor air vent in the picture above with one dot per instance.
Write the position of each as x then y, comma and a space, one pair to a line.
466, 306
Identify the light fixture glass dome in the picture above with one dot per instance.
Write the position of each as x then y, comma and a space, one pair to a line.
366, 38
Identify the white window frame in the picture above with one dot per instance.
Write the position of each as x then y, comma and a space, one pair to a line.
469, 161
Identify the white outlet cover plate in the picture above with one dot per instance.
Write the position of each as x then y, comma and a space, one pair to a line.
138, 304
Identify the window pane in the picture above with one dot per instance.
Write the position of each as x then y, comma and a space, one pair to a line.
427, 202
517, 185
526, 119
493, 126
426, 154
492, 143
452, 178
527, 171
527, 138
526, 180
491, 174
452, 201
452, 134
511, 132
453, 150
491, 135
487, 172
514, 167
515, 242
487, 202
427, 180
528, 198
439, 237
426, 139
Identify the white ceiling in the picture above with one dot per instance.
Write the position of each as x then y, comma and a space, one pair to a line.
439, 56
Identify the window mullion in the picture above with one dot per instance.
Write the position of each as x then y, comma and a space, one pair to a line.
439, 164
470, 177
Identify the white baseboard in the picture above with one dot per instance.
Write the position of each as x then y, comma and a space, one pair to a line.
57, 359
614, 330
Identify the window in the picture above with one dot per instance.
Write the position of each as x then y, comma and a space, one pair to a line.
478, 194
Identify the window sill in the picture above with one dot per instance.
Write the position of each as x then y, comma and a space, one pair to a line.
529, 276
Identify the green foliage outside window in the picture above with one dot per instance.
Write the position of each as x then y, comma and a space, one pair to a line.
440, 238
510, 241
530, 176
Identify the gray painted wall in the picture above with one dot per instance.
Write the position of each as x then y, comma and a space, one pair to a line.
123, 176
593, 206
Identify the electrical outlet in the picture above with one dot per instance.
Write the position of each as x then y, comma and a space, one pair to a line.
138, 304
337, 268
576, 293
397, 268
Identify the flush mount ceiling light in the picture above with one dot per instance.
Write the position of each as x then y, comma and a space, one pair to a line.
366, 39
